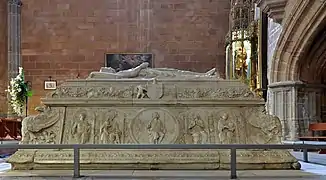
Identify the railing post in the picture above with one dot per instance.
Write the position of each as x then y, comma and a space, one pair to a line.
76, 162
233, 163
305, 155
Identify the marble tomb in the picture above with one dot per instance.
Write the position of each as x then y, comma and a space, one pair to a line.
152, 105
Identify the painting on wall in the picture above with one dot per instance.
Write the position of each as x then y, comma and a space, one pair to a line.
124, 61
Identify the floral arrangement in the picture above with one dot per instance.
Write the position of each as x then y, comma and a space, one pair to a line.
19, 92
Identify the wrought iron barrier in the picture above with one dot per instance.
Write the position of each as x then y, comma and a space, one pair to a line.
232, 147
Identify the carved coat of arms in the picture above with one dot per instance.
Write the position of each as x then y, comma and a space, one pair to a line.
155, 91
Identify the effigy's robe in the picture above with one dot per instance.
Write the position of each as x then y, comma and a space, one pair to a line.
156, 106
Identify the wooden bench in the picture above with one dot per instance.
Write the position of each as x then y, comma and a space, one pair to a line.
312, 137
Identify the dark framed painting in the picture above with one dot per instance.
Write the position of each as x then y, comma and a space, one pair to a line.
124, 61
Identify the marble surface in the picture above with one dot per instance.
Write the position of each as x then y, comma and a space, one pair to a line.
173, 110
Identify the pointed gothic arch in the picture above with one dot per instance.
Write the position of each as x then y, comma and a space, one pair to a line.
301, 28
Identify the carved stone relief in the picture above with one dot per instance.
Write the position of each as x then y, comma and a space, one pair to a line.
170, 111
196, 127
109, 127
154, 126
44, 127
196, 93
93, 92
226, 129
225, 126
141, 92
79, 128
263, 128
155, 91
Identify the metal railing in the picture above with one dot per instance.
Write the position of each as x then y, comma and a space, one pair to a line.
232, 147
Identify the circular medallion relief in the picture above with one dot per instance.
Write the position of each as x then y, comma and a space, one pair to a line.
154, 126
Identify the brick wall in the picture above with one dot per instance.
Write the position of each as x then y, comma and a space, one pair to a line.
3, 56
64, 39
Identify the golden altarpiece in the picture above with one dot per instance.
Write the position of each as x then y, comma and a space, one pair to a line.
242, 60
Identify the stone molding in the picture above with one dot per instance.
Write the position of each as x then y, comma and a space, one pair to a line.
295, 84
295, 103
274, 8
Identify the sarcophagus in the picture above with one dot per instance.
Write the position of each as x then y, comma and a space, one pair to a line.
152, 106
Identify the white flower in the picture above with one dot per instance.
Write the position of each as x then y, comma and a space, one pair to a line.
20, 71
17, 100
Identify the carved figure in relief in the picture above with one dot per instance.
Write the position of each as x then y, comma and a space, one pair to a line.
226, 129
81, 130
156, 129
32, 125
141, 92
110, 131
268, 131
197, 130
142, 71
110, 73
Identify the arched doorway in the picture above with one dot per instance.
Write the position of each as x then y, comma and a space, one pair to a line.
297, 79
312, 70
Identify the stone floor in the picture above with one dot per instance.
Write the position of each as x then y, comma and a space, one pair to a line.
312, 157
178, 175
309, 172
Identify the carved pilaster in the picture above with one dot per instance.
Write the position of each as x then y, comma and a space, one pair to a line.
274, 8
297, 105
14, 39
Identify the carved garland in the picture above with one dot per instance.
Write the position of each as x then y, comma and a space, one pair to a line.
131, 92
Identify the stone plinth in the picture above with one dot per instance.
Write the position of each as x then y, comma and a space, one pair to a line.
156, 106
296, 104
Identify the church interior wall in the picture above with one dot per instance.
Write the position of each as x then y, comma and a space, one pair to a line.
68, 39
3, 56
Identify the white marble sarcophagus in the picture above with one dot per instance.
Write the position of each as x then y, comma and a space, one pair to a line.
145, 105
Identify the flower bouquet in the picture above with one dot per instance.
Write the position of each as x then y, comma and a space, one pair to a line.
19, 92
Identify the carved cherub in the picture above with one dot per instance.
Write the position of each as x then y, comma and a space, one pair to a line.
141, 92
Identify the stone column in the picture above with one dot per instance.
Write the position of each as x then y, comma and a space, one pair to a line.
297, 105
14, 40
